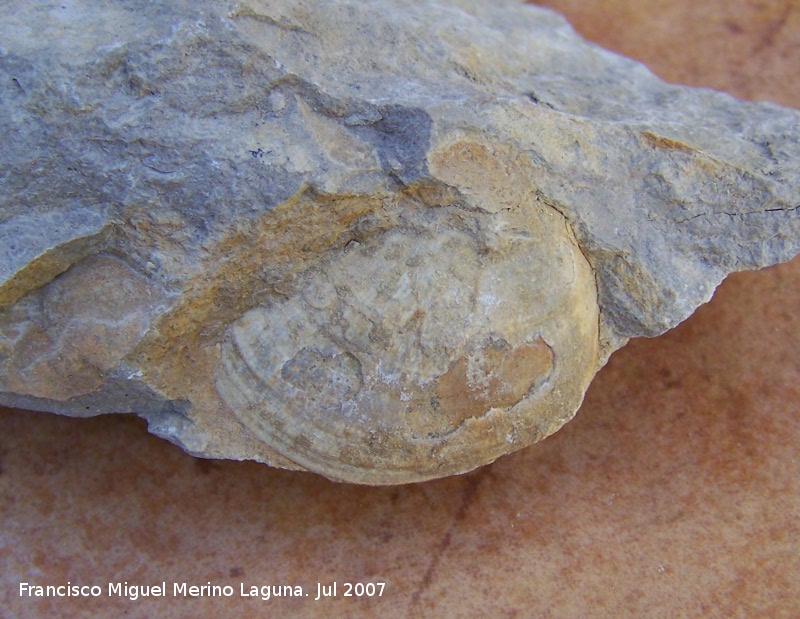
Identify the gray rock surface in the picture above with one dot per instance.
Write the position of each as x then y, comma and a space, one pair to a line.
381, 241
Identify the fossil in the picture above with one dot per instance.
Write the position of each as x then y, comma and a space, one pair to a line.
380, 242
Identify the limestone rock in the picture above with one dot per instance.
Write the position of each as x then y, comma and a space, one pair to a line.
381, 241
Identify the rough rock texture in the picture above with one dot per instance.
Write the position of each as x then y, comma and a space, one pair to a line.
384, 244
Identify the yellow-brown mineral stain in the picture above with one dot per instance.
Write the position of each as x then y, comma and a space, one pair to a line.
659, 141
493, 376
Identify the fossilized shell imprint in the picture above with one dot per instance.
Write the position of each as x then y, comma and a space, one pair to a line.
275, 244
406, 351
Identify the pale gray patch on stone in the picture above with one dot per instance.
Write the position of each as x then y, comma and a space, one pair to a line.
117, 395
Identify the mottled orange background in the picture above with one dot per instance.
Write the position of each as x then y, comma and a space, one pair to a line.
674, 493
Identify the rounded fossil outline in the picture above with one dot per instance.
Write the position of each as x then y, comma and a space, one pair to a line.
357, 376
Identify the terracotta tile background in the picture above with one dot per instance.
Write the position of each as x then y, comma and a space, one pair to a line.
674, 493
